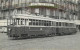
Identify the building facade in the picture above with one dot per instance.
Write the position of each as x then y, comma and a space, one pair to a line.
78, 20
58, 9
78, 10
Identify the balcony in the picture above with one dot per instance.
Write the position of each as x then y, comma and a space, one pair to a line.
4, 8
74, 12
20, 5
15, 5
48, 5
10, 7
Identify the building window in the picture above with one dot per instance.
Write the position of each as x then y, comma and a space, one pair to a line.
37, 11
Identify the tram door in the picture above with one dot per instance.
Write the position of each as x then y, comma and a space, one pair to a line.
57, 29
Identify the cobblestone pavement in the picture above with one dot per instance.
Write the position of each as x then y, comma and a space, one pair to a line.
68, 42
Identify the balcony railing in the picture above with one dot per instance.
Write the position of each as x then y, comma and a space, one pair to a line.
48, 5
20, 5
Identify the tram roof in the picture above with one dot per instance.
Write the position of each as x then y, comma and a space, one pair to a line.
29, 16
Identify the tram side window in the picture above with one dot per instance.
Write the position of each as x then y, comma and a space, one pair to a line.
14, 23
70, 25
32, 22
45, 23
74, 25
49, 23
21, 21
59, 23
53, 24
40, 23
62, 24
66, 24
18, 21
11, 21
37, 22
25, 21
8, 22
56, 23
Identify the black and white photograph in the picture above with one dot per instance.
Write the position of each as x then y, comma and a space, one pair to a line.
39, 24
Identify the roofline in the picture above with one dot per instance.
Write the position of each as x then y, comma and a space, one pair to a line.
41, 18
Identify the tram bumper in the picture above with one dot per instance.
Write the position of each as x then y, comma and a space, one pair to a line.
11, 32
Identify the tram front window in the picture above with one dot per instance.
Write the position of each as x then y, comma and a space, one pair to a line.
14, 21
10, 22
19, 21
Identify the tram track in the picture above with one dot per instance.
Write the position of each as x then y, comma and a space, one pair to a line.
40, 42
30, 41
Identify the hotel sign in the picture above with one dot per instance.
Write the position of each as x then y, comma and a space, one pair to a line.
42, 4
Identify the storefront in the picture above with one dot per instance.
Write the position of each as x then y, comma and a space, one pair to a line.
3, 26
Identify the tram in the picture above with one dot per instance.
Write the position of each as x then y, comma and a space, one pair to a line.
23, 25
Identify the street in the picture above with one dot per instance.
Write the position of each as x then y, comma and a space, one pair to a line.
68, 42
